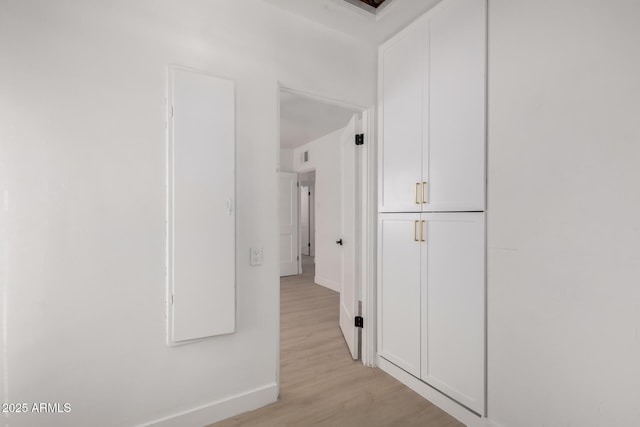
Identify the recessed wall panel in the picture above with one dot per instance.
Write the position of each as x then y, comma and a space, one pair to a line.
201, 218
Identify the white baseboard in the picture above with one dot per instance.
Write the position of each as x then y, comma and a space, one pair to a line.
221, 409
327, 283
451, 407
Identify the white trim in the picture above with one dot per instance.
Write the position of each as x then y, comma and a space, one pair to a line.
327, 283
361, 231
277, 227
322, 98
368, 220
298, 203
448, 405
220, 409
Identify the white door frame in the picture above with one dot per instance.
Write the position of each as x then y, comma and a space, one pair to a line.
368, 218
368, 235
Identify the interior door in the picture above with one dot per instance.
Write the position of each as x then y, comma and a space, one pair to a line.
312, 221
305, 243
349, 292
288, 189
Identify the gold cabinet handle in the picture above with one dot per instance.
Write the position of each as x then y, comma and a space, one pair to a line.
424, 199
421, 231
415, 231
416, 193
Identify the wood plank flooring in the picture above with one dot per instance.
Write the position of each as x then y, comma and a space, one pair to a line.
320, 385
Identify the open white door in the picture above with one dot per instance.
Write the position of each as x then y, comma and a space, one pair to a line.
305, 242
349, 293
288, 188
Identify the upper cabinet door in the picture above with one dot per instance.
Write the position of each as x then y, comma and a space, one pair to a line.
402, 83
455, 168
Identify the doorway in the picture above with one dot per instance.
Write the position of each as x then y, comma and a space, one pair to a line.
307, 220
317, 137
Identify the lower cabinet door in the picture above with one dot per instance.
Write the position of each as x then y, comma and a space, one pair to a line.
399, 275
453, 306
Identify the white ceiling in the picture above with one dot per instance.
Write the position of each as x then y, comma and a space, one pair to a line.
304, 119
343, 16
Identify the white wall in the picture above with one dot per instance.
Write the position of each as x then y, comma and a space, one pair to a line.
82, 156
286, 160
564, 213
324, 158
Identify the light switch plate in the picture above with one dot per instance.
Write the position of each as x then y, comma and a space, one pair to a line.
256, 256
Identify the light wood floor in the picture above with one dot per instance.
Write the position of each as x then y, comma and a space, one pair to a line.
320, 385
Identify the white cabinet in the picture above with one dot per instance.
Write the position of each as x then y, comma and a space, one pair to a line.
431, 195
201, 254
432, 106
399, 273
432, 305
453, 305
455, 167
402, 88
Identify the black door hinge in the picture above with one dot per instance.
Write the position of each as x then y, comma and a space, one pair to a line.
360, 139
359, 322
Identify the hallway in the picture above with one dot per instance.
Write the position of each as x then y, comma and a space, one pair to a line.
320, 383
